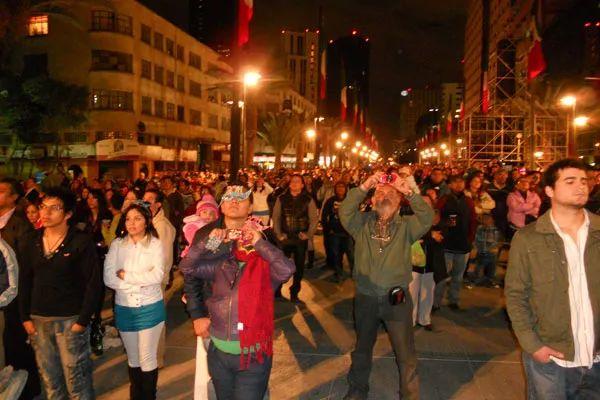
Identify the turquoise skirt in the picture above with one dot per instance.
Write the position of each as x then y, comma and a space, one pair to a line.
135, 319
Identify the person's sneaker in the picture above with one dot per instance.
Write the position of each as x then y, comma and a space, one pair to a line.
454, 307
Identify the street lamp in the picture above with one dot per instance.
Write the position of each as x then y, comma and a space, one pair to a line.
459, 141
443, 146
338, 145
344, 135
311, 133
538, 154
568, 101
581, 121
354, 150
251, 78
358, 143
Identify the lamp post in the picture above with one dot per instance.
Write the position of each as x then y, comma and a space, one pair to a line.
571, 102
249, 117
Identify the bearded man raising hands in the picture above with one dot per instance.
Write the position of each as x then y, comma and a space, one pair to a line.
383, 270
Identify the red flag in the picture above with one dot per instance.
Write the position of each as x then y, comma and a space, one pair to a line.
355, 118
449, 124
323, 75
363, 120
536, 64
343, 104
462, 111
245, 11
485, 94
430, 135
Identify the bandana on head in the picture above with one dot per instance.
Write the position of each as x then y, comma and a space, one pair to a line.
237, 193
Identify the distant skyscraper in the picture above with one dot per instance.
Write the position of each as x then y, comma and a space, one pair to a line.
417, 103
213, 22
301, 60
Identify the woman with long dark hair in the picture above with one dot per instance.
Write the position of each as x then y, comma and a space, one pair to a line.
133, 268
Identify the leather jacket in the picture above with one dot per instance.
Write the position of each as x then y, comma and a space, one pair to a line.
221, 270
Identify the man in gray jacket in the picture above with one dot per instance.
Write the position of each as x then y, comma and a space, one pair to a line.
553, 290
383, 271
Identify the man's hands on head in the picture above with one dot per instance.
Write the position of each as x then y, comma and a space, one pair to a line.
371, 181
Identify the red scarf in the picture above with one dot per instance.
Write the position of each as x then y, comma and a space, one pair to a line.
255, 307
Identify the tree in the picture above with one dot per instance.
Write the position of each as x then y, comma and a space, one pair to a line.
280, 130
37, 109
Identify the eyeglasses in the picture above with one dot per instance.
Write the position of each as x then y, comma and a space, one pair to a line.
51, 208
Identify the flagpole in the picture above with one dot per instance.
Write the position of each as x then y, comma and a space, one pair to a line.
236, 114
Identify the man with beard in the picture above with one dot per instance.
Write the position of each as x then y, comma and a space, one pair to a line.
383, 271
553, 290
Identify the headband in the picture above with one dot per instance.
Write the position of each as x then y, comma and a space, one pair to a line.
237, 193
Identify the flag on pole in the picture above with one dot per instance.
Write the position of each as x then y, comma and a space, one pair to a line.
356, 111
536, 63
323, 75
485, 93
245, 12
449, 123
343, 103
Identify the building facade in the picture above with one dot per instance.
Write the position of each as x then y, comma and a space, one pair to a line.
417, 103
301, 61
157, 96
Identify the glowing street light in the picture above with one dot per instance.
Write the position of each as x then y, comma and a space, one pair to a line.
344, 135
311, 133
581, 121
338, 144
251, 78
568, 101
446, 152
443, 146
364, 148
538, 154
358, 143
459, 141
354, 150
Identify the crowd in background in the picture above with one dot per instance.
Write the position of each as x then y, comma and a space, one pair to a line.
477, 211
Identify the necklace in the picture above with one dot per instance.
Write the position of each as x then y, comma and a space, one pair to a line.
49, 251
382, 233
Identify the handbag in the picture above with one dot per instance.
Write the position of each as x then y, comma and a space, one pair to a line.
417, 255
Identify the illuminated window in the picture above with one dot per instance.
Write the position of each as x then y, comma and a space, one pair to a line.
38, 25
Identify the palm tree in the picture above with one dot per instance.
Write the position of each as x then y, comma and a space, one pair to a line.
280, 130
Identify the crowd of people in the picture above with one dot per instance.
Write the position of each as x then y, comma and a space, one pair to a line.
413, 236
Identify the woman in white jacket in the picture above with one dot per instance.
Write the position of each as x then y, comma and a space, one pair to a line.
260, 193
134, 269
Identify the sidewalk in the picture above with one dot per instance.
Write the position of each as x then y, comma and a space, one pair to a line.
470, 355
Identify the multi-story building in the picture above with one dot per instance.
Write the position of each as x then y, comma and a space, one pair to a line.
213, 22
301, 61
451, 98
416, 103
157, 96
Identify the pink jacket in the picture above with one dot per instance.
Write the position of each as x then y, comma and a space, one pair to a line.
518, 207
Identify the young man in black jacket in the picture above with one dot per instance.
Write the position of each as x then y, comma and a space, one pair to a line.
59, 288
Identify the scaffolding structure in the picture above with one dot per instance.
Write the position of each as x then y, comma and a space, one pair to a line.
517, 128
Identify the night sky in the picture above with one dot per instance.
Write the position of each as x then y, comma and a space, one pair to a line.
413, 42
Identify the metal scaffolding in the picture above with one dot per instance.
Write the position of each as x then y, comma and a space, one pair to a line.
517, 128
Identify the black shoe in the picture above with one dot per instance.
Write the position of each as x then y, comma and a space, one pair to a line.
149, 380
428, 327
435, 309
311, 259
454, 307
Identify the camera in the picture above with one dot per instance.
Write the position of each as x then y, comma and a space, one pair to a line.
387, 178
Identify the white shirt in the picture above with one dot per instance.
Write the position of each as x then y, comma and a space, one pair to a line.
12, 269
144, 271
582, 316
166, 235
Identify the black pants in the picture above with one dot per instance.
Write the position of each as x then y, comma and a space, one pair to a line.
337, 246
369, 313
18, 352
297, 250
231, 383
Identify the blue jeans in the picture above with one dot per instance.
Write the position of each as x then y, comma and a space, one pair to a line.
232, 383
553, 382
456, 264
63, 359
486, 262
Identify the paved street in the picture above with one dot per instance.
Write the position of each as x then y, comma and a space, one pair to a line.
470, 355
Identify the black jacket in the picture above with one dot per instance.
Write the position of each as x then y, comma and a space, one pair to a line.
66, 284
330, 219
